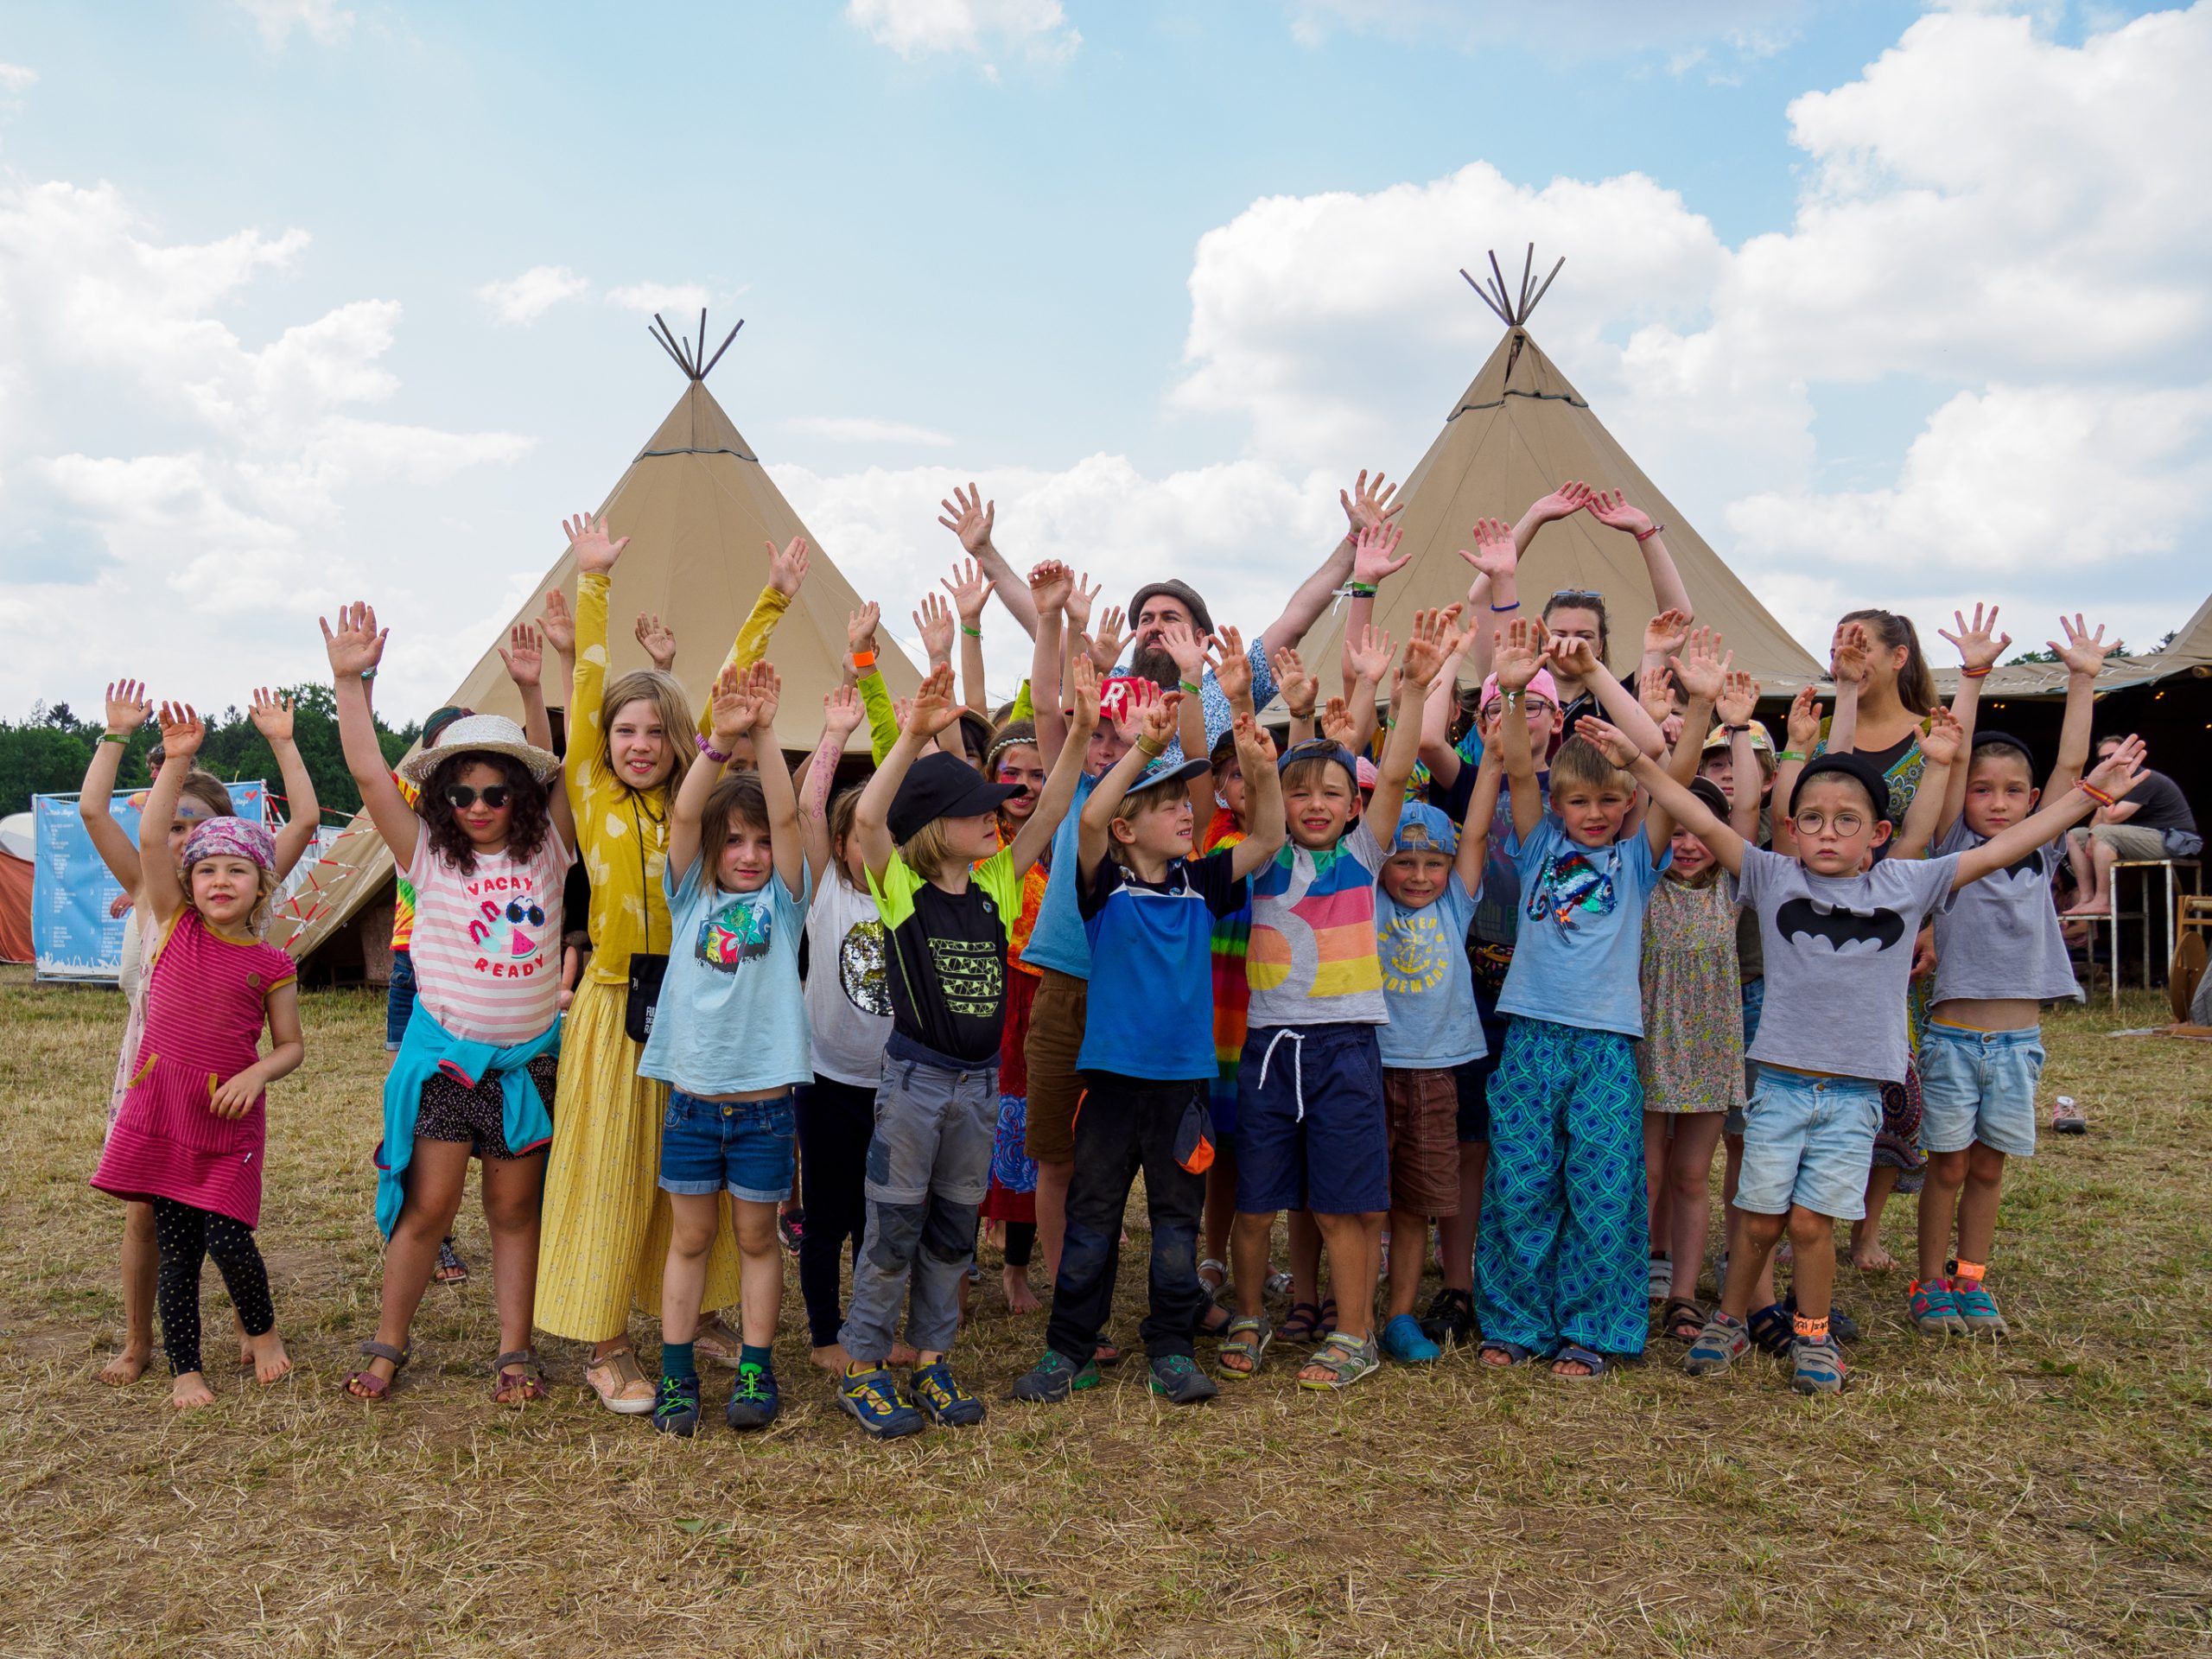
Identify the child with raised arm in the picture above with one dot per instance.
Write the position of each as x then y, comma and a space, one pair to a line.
1312, 1126
1149, 907
729, 1040
928, 832
190, 1140
1837, 921
1562, 1248
2000, 956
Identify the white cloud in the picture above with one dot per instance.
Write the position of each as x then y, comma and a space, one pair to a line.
1038, 29
15, 77
861, 429
646, 298
1753, 29
324, 21
526, 298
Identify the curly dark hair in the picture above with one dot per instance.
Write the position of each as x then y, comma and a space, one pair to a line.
531, 822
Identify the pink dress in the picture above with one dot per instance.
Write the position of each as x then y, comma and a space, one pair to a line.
205, 1012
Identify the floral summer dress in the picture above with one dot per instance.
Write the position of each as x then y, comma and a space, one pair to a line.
1691, 1058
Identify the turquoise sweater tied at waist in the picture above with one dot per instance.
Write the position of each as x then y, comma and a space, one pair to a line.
429, 1049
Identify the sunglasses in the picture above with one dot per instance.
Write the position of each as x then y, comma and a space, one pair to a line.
1576, 596
461, 796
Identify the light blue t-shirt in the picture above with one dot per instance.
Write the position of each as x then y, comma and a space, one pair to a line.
1581, 942
1427, 984
1057, 941
732, 1016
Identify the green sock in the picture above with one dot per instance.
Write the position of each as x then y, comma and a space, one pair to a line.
764, 1358
676, 1360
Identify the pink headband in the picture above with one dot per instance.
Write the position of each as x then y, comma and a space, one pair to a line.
231, 838
1542, 686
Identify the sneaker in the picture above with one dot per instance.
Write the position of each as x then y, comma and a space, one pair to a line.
1934, 1310
1177, 1379
790, 1228
1820, 1368
1978, 1309
1053, 1378
942, 1398
1660, 1279
675, 1409
753, 1400
1719, 1345
1406, 1342
1451, 1318
2067, 1117
874, 1401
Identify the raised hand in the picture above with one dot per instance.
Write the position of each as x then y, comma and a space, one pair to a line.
1611, 741
1940, 742
1050, 585
1562, 502
787, 569
1106, 645
1160, 716
1297, 688
1180, 641
272, 715
658, 640
1739, 697
934, 706
859, 628
357, 644
1610, 507
1232, 668
1572, 655
1494, 554
1369, 506
971, 517
1664, 633
1518, 652
731, 708
1082, 692
129, 708
1374, 554
557, 623
1337, 723
2116, 775
1852, 659
1702, 671
1655, 692
970, 589
1979, 642
1082, 596
1252, 742
2082, 653
765, 687
934, 623
182, 731
842, 712
1802, 730
588, 540
1369, 657
1427, 649
1671, 730
523, 654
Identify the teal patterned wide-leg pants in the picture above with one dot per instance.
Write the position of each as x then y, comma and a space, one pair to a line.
1561, 1257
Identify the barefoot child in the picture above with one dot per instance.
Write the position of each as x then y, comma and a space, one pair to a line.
928, 831
729, 1039
485, 847
190, 1138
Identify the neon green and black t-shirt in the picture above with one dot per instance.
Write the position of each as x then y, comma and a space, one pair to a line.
947, 971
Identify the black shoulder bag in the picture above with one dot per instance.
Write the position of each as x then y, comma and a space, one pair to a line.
647, 967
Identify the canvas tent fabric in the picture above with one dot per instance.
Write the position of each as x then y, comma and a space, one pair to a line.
18, 845
699, 510
1519, 432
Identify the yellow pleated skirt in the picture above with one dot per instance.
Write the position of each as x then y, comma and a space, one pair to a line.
604, 1242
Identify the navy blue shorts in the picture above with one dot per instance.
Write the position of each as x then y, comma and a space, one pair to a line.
1311, 1129
398, 999
748, 1146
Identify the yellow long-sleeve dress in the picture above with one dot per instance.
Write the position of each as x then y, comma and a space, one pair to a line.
605, 1233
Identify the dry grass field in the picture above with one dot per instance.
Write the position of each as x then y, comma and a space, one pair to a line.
2052, 1494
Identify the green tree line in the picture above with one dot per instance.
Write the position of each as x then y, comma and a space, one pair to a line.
47, 752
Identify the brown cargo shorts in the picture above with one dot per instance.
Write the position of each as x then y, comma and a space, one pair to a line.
1423, 1112
1055, 1019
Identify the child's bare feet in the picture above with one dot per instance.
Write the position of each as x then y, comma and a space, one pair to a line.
269, 1361
832, 1359
1020, 1298
191, 1392
902, 1353
126, 1367
1868, 1257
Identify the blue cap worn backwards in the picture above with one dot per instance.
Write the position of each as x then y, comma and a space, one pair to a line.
1424, 829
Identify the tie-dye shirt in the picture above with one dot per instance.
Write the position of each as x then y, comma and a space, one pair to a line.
1312, 959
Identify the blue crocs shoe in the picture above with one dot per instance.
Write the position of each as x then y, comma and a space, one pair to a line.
753, 1398
675, 1409
939, 1394
875, 1403
1406, 1342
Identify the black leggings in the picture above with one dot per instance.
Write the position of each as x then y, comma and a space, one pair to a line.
1020, 1242
186, 1236
836, 1122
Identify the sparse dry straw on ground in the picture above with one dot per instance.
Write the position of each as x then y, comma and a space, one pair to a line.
2045, 1497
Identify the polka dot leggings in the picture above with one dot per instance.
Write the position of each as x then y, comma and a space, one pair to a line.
186, 1236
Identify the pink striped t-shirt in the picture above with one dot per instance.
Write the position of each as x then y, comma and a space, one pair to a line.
487, 943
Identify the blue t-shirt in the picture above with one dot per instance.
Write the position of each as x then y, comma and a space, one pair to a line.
1151, 966
1581, 942
1425, 982
1057, 941
731, 1017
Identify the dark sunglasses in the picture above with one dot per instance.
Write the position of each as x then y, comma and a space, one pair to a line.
1581, 598
461, 796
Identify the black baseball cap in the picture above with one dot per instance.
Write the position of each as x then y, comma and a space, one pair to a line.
939, 786
1708, 794
1854, 765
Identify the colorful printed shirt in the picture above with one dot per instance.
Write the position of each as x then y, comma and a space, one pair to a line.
487, 941
1232, 985
948, 955
1575, 961
1425, 982
1311, 958
731, 1017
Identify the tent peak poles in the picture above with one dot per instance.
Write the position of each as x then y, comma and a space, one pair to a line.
689, 358
1513, 309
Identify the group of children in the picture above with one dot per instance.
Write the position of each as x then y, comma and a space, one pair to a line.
1495, 963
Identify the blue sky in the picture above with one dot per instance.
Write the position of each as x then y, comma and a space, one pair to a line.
1119, 260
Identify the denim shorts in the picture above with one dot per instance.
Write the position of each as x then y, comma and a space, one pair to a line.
747, 1145
1979, 1085
398, 999
1311, 1131
1808, 1141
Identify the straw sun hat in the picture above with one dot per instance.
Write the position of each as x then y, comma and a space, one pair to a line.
480, 734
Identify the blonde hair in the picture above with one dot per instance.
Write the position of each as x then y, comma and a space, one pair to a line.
1580, 763
1129, 811
927, 851
665, 693
844, 809
204, 787
265, 880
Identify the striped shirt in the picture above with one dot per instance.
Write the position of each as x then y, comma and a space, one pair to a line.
1312, 958
487, 943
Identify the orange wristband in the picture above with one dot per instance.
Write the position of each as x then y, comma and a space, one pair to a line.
863, 659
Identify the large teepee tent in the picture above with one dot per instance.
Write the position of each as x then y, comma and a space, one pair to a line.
699, 510
1519, 432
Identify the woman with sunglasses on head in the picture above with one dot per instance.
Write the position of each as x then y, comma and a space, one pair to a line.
487, 848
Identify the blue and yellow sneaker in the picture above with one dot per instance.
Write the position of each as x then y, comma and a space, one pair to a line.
1053, 1378
875, 1403
676, 1410
753, 1401
942, 1398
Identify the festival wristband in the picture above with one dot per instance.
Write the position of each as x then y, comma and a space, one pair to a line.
1974, 673
1735, 731
114, 737
1645, 535
863, 660
1149, 750
712, 754
1515, 606
973, 633
1795, 754
1360, 589
1510, 698
2096, 794
1191, 688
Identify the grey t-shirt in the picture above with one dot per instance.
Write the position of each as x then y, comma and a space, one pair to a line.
2000, 937
1839, 960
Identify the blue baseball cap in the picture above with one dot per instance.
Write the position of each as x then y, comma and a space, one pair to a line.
1425, 829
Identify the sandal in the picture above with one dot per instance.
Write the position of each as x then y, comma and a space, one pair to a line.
451, 1269
1243, 1342
1108, 1353
1278, 1284
529, 1377
1326, 1326
1772, 1331
1681, 1320
1216, 1321
1219, 1269
365, 1384
1340, 1361
1302, 1324
1516, 1354
1574, 1353
620, 1383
